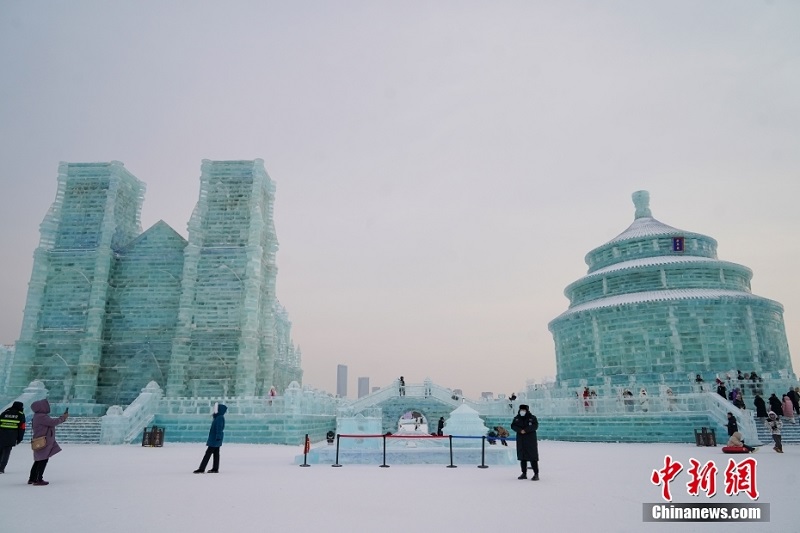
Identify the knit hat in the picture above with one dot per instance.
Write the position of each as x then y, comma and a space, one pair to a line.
17, 405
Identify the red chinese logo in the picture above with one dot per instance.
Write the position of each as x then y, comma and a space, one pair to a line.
664, 476
703, 478
739, 477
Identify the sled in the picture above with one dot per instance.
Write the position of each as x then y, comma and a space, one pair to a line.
734, 449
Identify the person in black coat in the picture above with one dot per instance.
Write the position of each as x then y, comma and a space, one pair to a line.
722, 391
733, 427
525, 426
12, 429
775, 404
440, 426
761, 406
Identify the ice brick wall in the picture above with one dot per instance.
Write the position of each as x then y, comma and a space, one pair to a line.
287, 356
141, 314
665, 427
6, 356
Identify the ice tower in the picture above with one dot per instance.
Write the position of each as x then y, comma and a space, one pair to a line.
111, 308
224, 341
96, 212
659, 305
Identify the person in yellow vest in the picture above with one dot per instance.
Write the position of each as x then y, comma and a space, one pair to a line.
12, 430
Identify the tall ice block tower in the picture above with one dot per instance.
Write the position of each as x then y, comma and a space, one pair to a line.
96, 212
111, 308
659, 305
224, 339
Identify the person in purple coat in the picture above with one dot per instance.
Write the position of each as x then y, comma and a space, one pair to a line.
44, 426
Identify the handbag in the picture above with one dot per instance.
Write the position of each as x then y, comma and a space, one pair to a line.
38, 443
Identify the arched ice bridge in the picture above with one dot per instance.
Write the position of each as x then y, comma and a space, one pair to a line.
430, 400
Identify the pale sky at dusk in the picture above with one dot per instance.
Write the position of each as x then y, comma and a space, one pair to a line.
442, 168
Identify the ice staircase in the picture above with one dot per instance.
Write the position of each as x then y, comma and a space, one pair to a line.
790, 433
79, 430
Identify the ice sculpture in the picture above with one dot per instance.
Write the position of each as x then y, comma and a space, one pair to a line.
657, 303
110, 308
465, 421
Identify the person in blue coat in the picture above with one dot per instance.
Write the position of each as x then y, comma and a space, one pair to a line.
214, 442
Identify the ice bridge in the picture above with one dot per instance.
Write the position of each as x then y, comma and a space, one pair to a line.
430, 400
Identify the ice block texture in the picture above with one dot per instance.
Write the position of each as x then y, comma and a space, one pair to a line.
110, 308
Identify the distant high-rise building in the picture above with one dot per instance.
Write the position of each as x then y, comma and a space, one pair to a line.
363, 387
341, 381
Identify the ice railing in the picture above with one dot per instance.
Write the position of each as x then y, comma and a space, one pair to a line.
120, 426
426, 389
719, 409
296, 400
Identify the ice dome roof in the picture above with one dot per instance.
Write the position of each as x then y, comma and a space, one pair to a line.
645, 227
648, 237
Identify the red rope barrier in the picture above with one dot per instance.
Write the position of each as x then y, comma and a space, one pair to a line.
395, 436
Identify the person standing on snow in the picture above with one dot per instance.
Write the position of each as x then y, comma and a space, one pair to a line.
12, 429
44, 426
525, 426
215, 435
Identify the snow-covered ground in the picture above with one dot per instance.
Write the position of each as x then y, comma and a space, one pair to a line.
583, 487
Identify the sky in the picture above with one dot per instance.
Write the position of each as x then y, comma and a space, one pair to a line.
582, 487
442, 168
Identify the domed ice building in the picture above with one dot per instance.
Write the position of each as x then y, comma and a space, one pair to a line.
657, 306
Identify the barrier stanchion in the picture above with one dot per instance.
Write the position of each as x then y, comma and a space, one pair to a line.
451, 465
337, 452
384, 465
483, 453
306, 449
